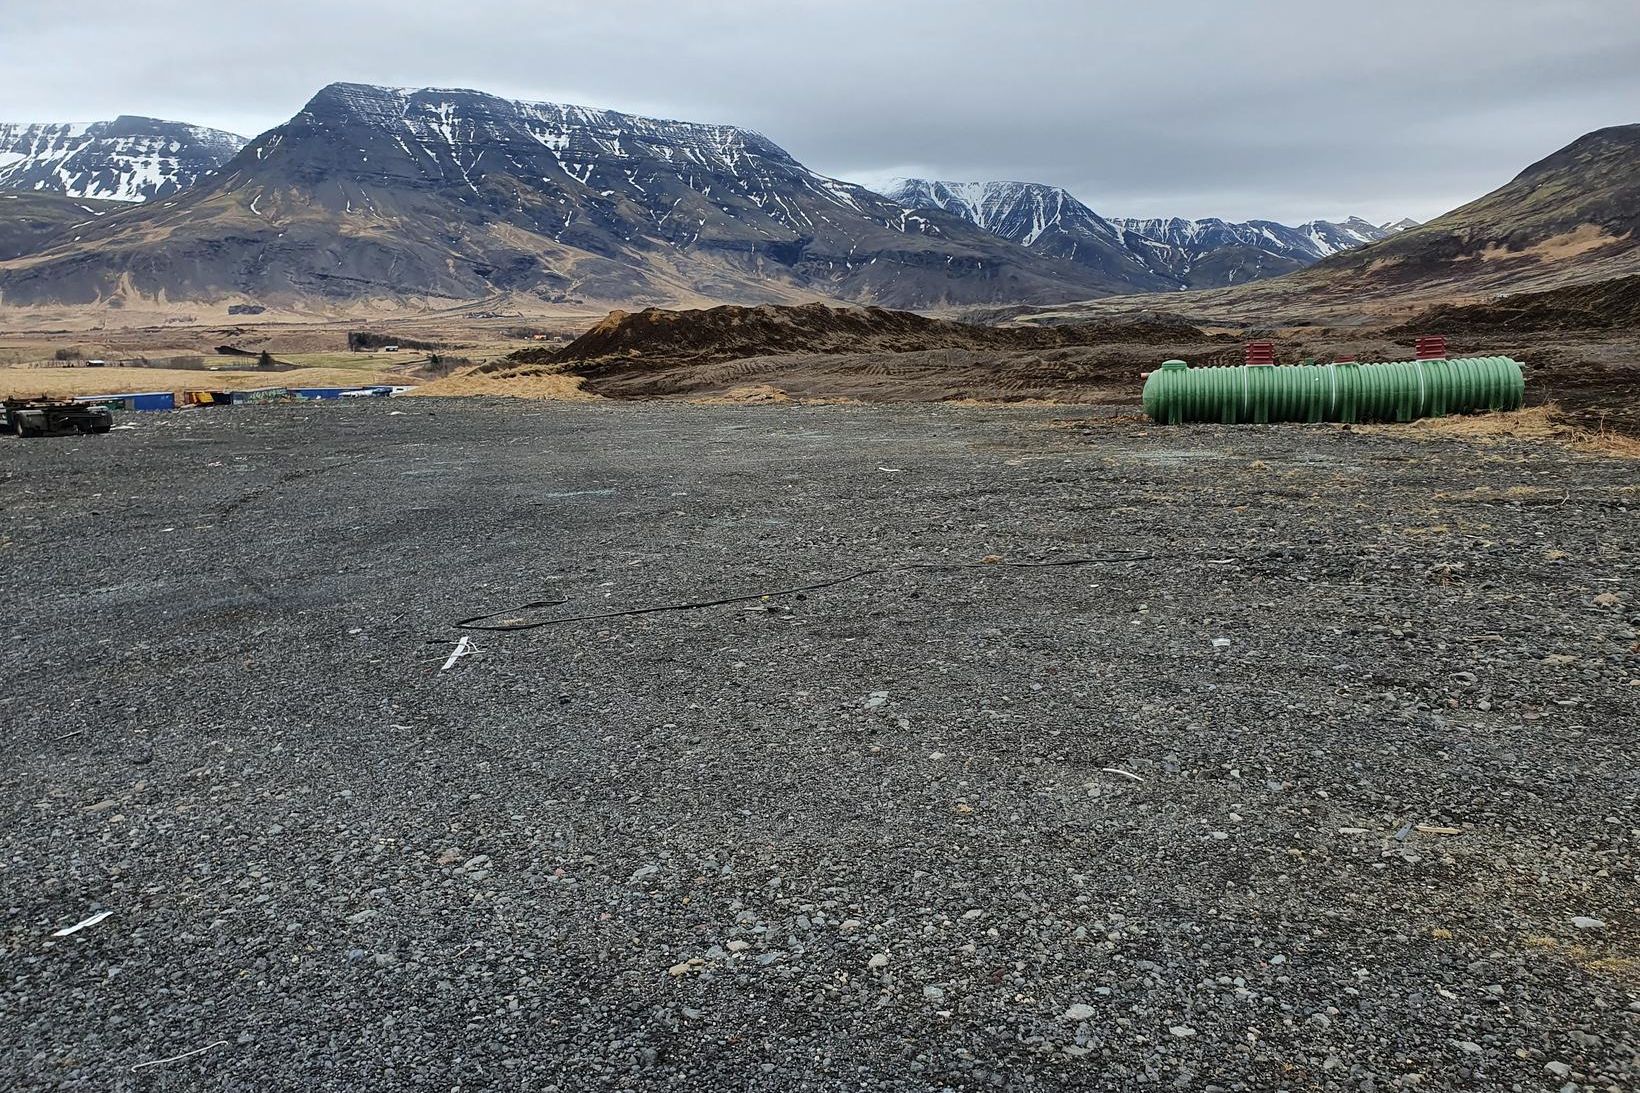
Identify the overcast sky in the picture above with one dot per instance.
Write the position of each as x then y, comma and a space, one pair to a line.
1285, 109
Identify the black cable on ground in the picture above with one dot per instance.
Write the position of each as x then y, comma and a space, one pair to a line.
477, 621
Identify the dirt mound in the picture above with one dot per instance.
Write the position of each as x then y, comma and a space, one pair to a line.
518, 383
732, 332
1065, 374
1601, 305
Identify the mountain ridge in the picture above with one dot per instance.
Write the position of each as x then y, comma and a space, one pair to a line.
1156, 253
1575, 210
130, 158
392, 193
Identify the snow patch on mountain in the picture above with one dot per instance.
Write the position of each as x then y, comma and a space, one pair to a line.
376, 192
465, 137
128, 159
1180, 253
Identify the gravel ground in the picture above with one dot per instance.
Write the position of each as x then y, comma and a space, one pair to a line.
1323, 777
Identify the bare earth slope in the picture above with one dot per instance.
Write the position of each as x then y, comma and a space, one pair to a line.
1602, 305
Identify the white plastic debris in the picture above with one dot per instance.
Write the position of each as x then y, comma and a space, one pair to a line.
98, 917
463, 647
1124, 773
178, 1058
1221, 643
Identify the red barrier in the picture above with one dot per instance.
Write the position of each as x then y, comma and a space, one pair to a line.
1432, 347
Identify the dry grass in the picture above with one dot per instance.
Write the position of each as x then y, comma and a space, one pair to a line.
1570, 244
376, 361
27, 382
523, 383
1540, 423
1623, 969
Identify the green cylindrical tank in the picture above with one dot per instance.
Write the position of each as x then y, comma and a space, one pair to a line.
1395, 391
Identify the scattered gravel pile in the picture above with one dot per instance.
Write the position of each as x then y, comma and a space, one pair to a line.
1318, 775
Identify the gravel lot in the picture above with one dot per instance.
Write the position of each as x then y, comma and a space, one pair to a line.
1323, 778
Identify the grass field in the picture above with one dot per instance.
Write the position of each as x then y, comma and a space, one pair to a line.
24, 382
376, 361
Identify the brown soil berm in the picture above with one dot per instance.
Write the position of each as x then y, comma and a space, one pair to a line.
818, 353
732, 332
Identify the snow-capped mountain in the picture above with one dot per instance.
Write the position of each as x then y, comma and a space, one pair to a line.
1023, 211
375, 192
127, 159
1044, 219
1211, 253
1162, 253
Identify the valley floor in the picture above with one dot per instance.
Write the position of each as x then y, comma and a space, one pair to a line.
1315, 771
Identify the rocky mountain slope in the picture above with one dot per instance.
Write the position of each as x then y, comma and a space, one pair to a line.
1211, 253
1045, 219
30, 220
127, 159
1150, 254
1571, 216
386, 194
1569, 219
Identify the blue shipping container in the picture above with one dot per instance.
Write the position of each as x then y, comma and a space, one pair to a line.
146, 400
154, 400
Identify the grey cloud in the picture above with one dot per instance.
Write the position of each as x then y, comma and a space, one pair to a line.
1278, 108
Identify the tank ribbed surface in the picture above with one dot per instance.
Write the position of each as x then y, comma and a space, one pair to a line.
1393, 391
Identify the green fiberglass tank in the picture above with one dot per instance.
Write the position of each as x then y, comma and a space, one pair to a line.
1395, 391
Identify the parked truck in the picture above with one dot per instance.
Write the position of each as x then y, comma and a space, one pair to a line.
54, 417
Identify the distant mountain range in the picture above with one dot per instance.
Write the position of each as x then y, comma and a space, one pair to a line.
127, 159
1151, 254
1561, 237
431, 197
373, 193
